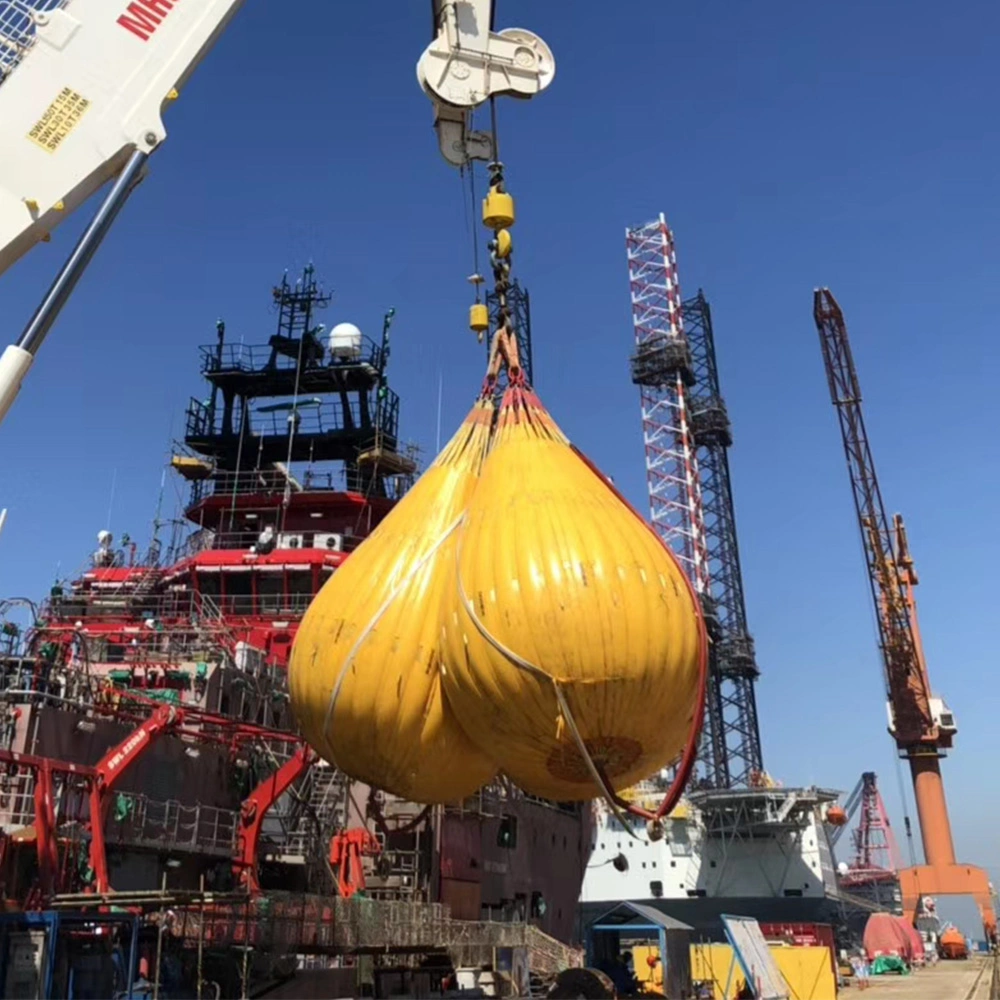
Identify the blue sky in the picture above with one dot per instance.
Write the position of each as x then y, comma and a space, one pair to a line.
789, 145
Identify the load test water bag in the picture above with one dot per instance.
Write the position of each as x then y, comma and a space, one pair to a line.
364, 674
573, 650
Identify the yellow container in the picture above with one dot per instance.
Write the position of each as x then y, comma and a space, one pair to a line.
563, 589
364, 674
807, 970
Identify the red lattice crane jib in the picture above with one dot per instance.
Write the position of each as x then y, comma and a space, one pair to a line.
876, 856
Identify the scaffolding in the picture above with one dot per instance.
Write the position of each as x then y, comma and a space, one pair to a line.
309, 924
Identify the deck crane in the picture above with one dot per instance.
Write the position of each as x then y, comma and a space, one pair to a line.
83, 84
920, 723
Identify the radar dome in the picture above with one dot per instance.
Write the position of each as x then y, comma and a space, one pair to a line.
345, 342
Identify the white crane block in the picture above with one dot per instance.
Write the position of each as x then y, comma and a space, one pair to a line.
467, 64
82, 86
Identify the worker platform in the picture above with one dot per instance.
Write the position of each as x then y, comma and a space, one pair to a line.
310, 429
270, 369
754, 813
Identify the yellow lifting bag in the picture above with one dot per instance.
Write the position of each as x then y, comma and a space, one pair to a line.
364, 673
574, 649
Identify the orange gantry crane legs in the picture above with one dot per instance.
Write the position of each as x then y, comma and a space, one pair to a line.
942, 875
921, 724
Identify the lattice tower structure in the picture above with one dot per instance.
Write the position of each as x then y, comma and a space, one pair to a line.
661, 368
733, 657
875, 853
519, 305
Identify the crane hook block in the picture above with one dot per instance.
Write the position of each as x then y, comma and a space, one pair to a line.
498, 209
479, 317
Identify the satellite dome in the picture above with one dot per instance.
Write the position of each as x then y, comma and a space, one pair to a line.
842, 868
345, 342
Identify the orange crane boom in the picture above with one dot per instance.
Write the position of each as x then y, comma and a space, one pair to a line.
920, 723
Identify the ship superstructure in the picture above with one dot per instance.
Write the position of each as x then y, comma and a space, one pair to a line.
147, 741
760, 852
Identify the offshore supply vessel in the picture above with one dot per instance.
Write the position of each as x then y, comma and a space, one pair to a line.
149, 756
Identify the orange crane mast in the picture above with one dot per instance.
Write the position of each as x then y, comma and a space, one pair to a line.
920, 723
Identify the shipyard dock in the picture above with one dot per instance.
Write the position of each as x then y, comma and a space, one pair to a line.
968, 980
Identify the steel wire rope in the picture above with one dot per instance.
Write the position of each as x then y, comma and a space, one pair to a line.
493, 129
907, 826
370, 484
286, 496
244, 419
469, 211
472, 223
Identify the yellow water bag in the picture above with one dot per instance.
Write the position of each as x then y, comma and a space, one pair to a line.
574, 650
364, 674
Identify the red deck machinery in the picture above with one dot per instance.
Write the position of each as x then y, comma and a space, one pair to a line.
96, 783
346, 851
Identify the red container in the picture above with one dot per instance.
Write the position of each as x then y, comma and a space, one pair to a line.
805, 936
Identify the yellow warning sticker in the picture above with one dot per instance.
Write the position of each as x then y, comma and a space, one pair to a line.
61, 117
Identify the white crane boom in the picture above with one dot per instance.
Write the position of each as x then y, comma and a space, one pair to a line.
82, 87
83, 84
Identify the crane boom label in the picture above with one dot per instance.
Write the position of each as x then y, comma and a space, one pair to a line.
143, 17
60, 118
130, 746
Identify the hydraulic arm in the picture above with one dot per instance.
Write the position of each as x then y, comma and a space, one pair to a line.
919, 722
254, 810
100, 781
83, 84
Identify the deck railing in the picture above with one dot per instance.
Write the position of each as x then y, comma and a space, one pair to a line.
167, 612
262, 358
171, 825
264, 482
310, 417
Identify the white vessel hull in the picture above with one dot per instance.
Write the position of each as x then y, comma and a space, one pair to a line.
754, 852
